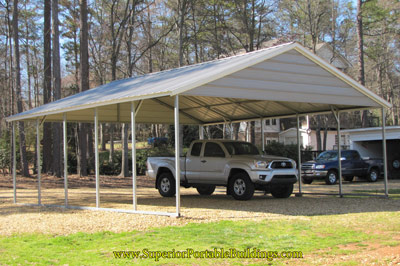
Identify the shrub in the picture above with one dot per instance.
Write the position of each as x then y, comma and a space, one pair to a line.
289, 151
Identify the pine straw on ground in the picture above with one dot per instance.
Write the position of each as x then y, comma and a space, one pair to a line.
116, 192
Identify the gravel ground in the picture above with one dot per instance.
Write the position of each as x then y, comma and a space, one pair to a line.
116, 193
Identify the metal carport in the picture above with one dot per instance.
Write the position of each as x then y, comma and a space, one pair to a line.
281, 81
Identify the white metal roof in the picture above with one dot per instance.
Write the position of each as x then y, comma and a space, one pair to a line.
279, 81
373, 133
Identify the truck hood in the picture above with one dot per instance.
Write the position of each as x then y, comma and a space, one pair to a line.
259, 157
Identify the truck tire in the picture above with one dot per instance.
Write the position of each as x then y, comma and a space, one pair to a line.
348, 178
166, 184
205, 189
331, 178
282, 191
373, 175
306, 180
241, 187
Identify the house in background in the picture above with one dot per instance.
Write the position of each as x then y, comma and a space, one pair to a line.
368, 141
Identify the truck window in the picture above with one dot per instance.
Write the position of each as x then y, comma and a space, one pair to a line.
213, 150
348, 155
196, 149
241, 148
355, 155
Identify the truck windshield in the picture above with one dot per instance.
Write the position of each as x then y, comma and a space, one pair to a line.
241, 148
327, 156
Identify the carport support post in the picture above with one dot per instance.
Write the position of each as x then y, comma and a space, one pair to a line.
14, 166
299, 154
384, 152
262, 135
38, 162
133, 130
65, 146
339, 153
177, 157
96, 154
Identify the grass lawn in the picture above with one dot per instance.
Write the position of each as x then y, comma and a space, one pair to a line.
316, 237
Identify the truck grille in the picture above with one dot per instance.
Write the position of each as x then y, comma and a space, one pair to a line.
281, 165
307, 166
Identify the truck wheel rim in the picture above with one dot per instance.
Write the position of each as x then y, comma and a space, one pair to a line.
239, 187
165, 184
332, 178
373, 175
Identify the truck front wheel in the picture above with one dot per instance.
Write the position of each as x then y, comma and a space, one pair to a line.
205, 189
373, 175
331, 178
166, 184
307, 180
282, 191
241, 187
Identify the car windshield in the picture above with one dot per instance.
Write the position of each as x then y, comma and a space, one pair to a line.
241, 148
327, 156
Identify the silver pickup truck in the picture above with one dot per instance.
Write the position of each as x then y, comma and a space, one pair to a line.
237, 165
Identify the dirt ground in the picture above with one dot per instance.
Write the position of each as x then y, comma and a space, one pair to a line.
116, 192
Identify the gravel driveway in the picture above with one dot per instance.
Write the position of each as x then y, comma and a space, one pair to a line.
116, 193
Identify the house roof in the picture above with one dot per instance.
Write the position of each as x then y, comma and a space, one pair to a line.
279, 81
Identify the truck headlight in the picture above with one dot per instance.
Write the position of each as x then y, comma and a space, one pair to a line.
321, 166
260, 164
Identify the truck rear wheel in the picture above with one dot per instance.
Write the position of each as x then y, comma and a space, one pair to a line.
241, 187
205, 189
282, 191
166, 184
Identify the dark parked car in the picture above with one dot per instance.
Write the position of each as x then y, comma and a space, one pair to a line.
326, 167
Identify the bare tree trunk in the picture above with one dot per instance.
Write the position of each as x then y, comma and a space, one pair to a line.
111, 155
236, 127
84, 82
360, 44
253, 132
125, 153
47, 136
57, 165
22, 146
102, 139
90, 147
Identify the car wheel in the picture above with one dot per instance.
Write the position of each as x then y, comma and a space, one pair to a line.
205, 189
241, 187
373, 175
348, 178
307, 180
166, 185
331, 178
282, 191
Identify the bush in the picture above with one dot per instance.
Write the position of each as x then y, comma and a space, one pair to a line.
289, 151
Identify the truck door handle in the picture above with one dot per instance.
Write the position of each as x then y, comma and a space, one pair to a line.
203, 161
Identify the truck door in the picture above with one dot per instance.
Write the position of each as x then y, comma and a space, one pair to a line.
213, 164
193, 164
347, 164
360, 166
